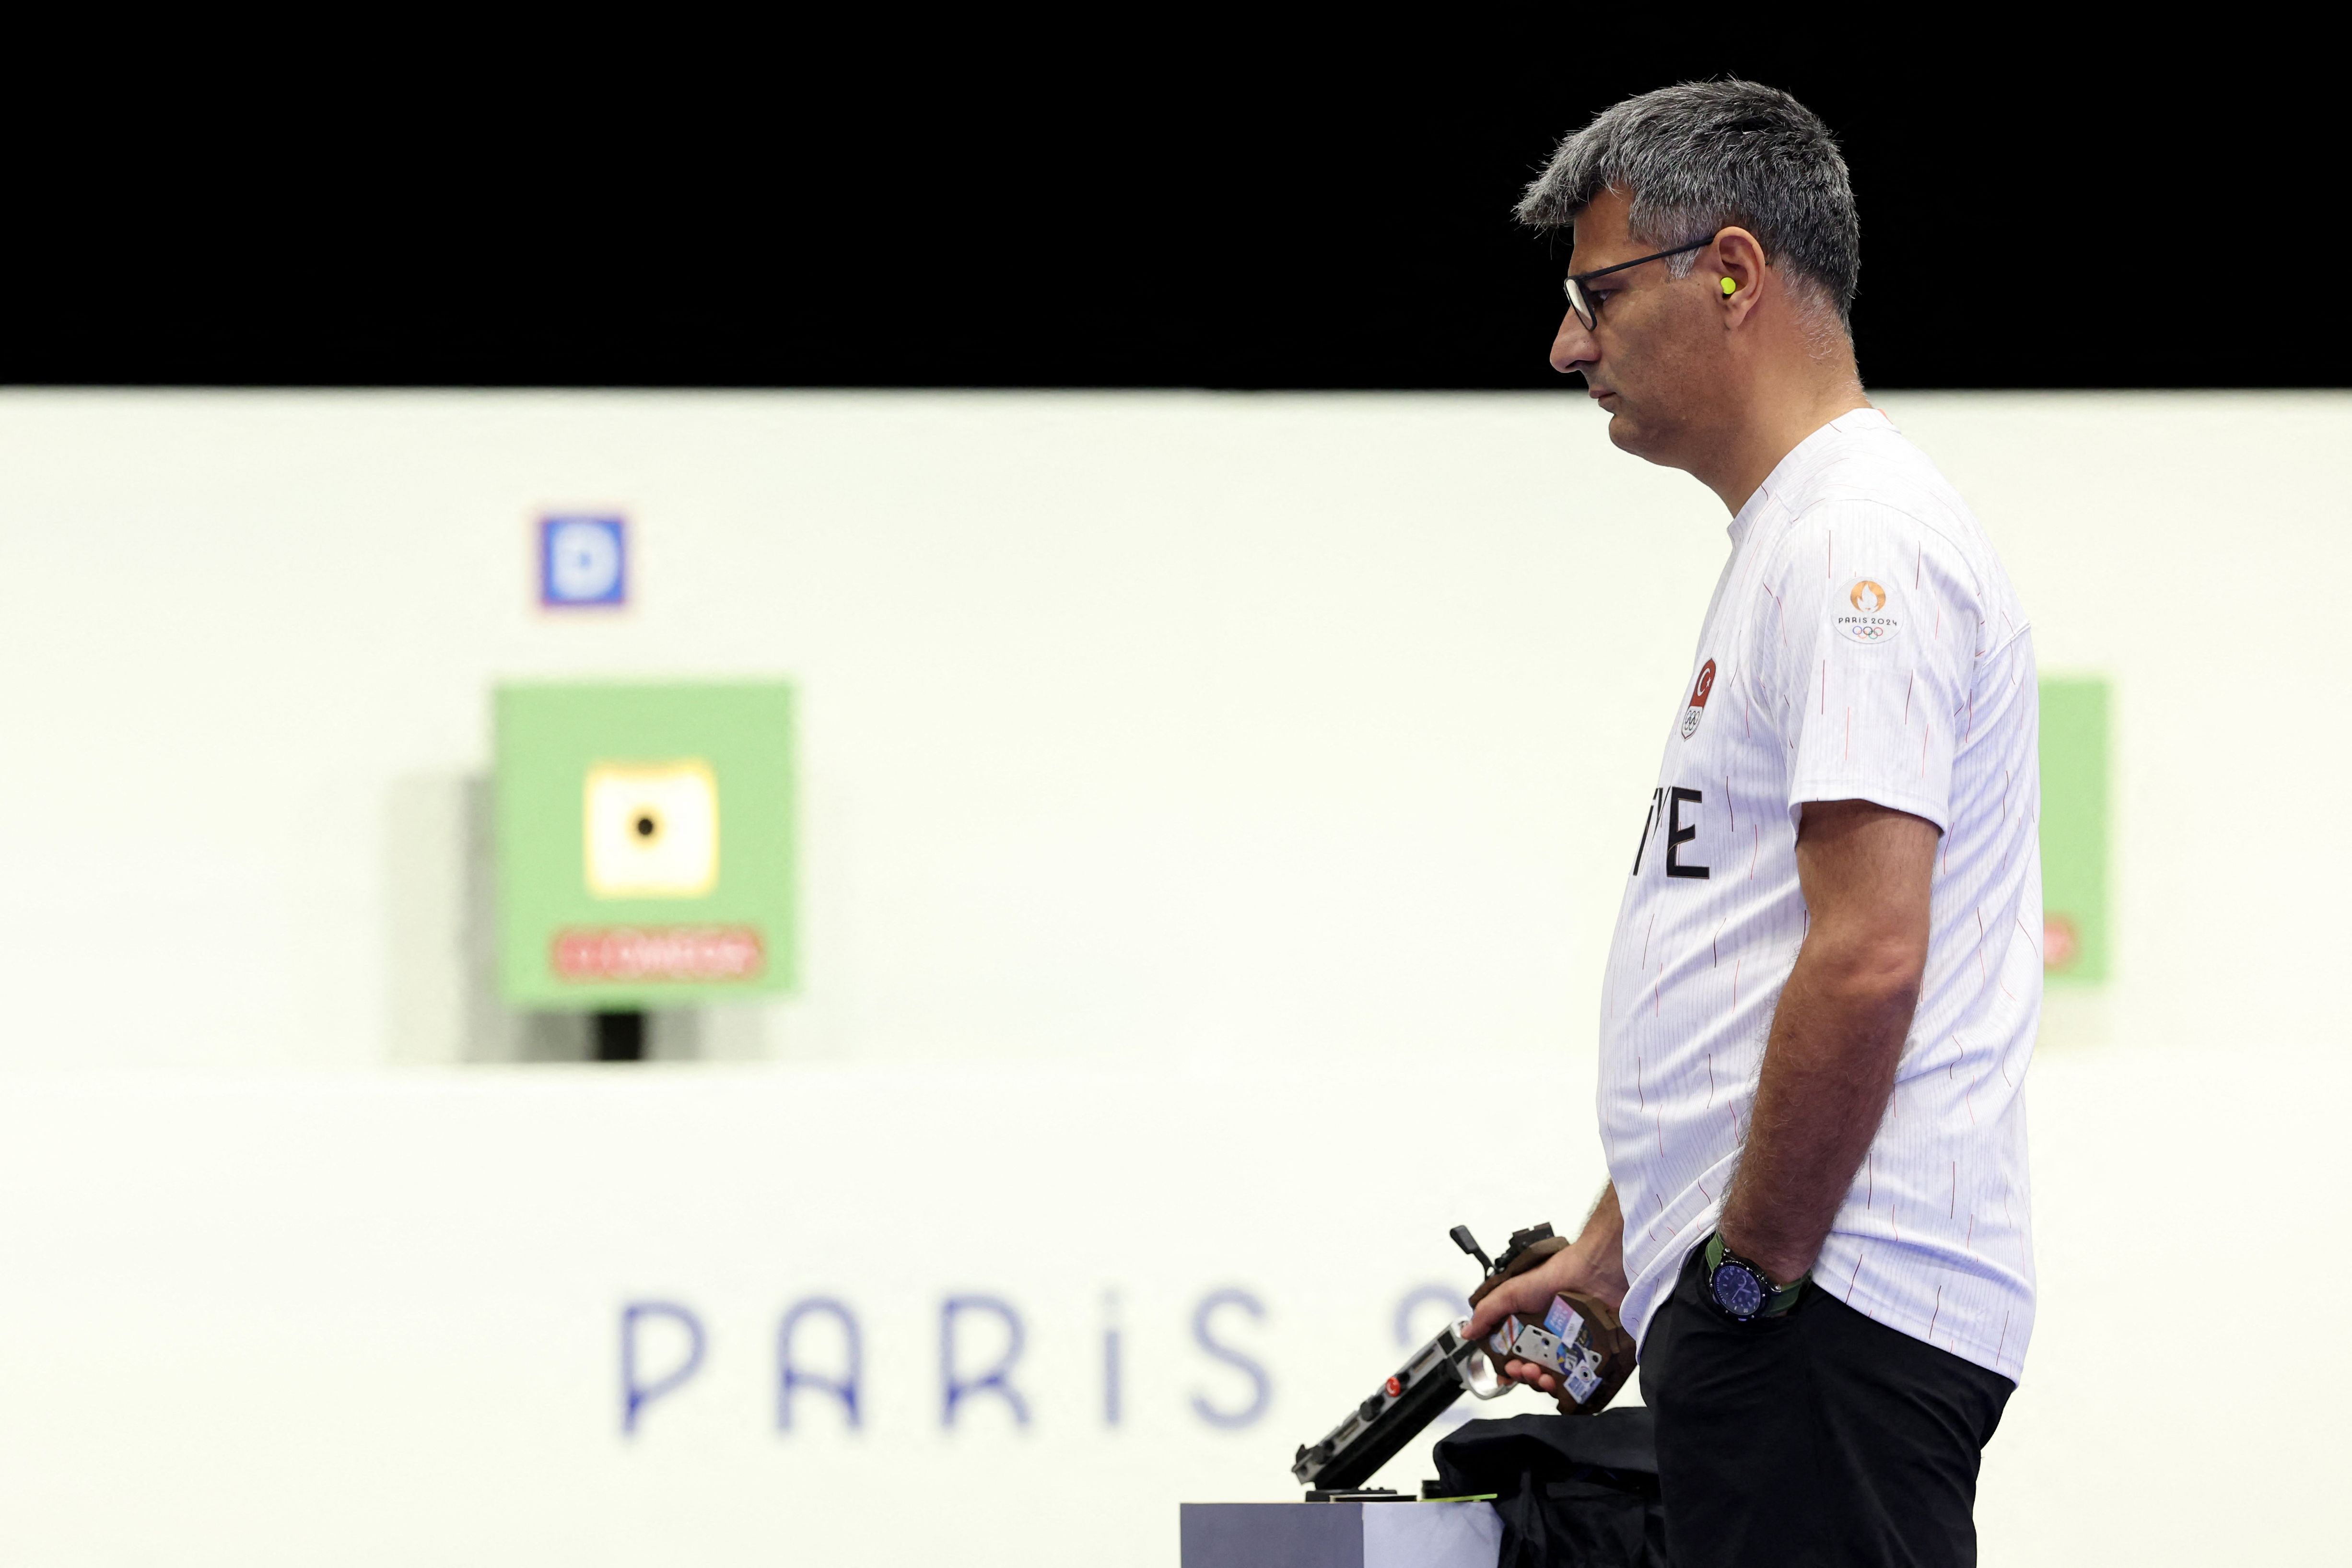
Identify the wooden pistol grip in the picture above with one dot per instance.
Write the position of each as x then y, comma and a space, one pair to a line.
1608, 1335
1616, 1348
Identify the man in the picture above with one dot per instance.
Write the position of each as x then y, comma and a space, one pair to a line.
1823, 987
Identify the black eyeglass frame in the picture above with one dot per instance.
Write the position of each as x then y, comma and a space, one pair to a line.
1573, 284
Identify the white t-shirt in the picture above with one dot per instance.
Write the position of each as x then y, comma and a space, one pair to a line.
1863, 644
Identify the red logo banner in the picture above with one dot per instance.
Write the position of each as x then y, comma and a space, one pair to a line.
660, 952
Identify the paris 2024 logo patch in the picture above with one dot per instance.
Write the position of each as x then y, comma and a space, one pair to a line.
1698, 709
1866, 615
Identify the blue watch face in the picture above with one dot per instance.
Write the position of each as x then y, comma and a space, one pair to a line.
1737, 1290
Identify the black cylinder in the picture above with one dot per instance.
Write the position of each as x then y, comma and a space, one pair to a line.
620, 1036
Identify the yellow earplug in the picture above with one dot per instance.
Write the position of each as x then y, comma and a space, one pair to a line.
1729, 288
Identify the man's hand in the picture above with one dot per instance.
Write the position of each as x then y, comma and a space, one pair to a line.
1594, 1265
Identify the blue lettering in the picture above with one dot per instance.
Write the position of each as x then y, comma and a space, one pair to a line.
1261, 1387
636, 1392
790, 1376
954, 1386
1110, 1363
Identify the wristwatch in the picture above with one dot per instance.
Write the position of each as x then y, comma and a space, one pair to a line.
1742, 1292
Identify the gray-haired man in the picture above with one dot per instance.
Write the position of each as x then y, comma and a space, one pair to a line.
1823, 987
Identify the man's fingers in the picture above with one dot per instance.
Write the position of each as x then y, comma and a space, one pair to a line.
1531, 1374
1511, 1296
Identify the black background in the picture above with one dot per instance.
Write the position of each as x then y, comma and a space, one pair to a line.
1222, 209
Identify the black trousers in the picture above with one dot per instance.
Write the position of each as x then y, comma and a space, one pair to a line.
1817, 1439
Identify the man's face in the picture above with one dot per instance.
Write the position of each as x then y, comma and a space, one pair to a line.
1649, 356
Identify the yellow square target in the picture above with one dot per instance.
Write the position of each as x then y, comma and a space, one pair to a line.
652, 831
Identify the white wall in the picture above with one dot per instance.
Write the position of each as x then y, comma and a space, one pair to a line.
1134, 725
1196, 788
264, 1320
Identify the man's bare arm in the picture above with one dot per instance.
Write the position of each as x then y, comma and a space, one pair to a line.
1829, 1064
1601, 1243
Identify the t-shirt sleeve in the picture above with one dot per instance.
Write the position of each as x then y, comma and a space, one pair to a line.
1873, 660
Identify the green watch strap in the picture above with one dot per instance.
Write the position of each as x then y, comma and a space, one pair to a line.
1777, 1299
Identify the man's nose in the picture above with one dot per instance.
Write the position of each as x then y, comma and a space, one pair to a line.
1572, 348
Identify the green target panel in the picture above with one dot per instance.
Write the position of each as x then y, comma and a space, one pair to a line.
644, 843
2074, 831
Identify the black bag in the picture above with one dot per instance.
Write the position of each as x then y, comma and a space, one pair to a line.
1575, 1492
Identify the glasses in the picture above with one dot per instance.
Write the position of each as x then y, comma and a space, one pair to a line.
1586, 307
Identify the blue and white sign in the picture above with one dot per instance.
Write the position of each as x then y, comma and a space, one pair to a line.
584, 563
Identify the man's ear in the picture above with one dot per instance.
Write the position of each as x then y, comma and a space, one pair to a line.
1744, 278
